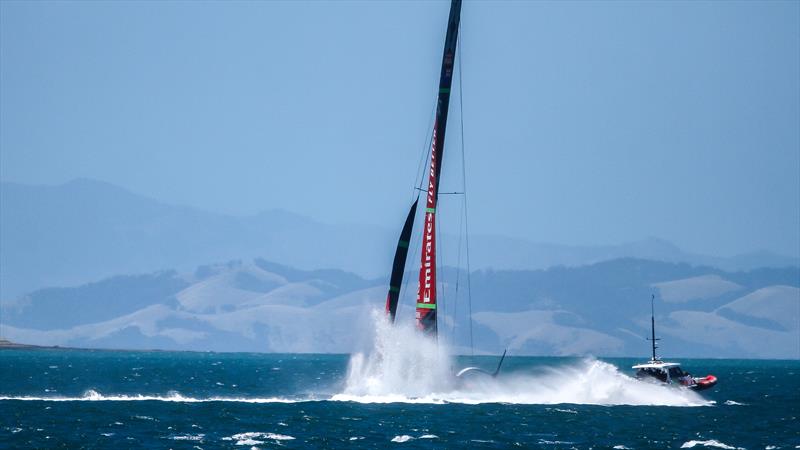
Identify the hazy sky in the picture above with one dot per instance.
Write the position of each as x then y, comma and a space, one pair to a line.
584, 122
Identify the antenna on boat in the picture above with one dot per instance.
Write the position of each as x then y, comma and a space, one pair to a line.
653, 337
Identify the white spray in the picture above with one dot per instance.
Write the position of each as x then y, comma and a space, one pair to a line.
405, 366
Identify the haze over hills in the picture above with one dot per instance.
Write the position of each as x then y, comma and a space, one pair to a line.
141, 278
600, 309
86, 230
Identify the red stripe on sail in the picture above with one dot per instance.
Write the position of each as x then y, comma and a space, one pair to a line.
426, 293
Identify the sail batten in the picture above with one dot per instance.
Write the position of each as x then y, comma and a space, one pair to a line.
426, 292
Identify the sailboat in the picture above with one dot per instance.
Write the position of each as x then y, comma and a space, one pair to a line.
426, 301
426, 314
668, 372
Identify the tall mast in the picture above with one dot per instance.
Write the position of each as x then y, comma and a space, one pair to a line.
426, 293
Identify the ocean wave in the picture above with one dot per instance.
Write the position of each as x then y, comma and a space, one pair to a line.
432, 399
189, 437
500, 392
94, 396
253, 438
709, 443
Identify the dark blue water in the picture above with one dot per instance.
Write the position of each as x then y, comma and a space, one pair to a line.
108, 399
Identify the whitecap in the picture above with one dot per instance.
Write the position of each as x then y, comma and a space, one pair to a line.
733, 403
709, 443
251, 437
390, 398
429, 436
278, 437
189, 437
402, 438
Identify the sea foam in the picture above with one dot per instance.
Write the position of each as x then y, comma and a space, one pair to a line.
252, 438
709, 443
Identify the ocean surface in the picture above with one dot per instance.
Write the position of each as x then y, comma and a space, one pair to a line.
127, 399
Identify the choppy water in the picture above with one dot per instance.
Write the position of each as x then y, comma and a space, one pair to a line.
391, 398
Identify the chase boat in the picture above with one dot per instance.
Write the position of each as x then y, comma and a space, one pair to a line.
669, 373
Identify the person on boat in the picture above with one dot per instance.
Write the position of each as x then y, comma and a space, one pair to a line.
683, 377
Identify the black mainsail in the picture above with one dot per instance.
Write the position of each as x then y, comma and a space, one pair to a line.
399, 265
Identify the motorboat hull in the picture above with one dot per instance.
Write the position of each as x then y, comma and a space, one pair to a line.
701, 384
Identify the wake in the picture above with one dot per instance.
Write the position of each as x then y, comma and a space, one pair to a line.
406, 367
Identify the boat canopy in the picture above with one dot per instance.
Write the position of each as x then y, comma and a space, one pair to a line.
657, 365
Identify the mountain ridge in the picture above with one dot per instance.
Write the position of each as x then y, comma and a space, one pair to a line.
84, 230
599, 309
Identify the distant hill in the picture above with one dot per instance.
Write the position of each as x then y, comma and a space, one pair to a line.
85, 230
601, 309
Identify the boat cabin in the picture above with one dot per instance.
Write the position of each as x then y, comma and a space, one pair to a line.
666, 372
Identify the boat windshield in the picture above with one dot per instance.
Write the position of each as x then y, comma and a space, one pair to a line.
652, 372
676, 372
